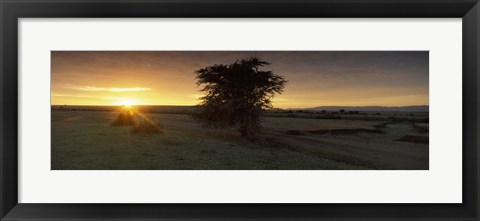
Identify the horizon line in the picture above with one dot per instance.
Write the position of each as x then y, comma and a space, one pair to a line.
114, 105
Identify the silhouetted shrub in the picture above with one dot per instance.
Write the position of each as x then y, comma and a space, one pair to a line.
125, 118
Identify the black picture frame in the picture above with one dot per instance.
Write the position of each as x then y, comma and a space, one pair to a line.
12, 10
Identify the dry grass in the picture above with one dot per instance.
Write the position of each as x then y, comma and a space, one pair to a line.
85, 140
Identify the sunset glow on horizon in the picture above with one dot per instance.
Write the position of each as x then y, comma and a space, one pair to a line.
322, 78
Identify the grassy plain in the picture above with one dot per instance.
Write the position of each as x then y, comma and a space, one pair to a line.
85, 140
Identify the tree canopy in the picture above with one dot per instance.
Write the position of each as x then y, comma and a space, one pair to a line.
235, 94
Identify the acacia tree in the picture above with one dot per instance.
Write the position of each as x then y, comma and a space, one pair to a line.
235, 94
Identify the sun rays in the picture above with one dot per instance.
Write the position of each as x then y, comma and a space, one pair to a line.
140, 123
127, 102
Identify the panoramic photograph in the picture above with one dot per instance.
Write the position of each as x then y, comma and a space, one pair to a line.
239, 110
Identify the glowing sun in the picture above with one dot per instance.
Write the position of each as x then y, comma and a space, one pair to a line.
127, 102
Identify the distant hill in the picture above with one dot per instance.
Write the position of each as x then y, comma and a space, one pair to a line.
421, 108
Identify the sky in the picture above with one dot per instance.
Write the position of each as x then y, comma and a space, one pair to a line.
315, 78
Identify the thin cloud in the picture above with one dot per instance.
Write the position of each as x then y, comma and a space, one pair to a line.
85, 96
70, 95
110, 89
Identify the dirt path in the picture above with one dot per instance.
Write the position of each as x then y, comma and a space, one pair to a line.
371, 151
